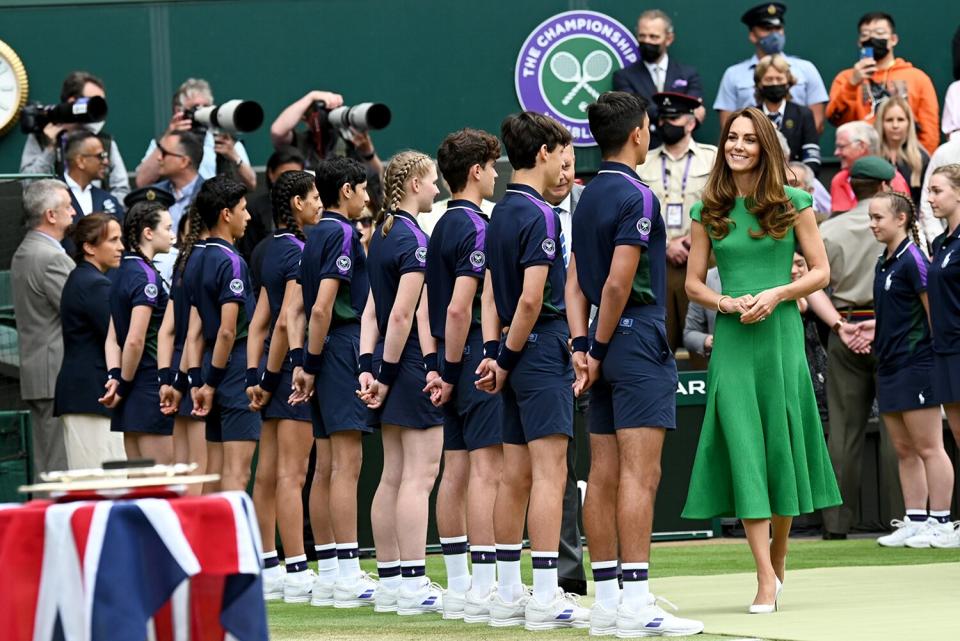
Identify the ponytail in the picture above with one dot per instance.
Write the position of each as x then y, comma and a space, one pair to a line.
288, 185
194, 228
405, 165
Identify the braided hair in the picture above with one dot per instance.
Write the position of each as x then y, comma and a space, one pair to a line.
195, 227
143, 215
402, 167
288, 185
901, 204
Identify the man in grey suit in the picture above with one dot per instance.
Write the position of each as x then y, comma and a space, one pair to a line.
698, 327
38, 271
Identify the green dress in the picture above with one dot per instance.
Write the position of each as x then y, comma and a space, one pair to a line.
761, 448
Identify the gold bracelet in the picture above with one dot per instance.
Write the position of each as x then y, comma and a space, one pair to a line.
719, 301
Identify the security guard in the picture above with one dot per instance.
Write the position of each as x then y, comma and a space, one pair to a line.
677, 173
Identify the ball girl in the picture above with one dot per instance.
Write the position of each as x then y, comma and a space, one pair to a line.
395, 342
138, 304
286, 436
904, 354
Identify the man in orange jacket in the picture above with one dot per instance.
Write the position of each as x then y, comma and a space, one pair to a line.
857, 92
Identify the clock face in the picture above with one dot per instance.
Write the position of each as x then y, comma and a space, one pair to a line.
13, 87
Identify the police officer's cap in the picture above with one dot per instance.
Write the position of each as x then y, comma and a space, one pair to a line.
149, 194
769, 14
872, 167
671, 104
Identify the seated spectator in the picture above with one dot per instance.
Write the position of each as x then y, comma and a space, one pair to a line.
947, 154
898, 143
179, 155
222, 154
856, 140
765, 26
857, 92
800, 176
86, 163
656, 71
84, 318
773, 82
43, 153
700, 322
284, 159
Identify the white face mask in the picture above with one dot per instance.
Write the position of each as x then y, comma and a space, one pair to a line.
95, 127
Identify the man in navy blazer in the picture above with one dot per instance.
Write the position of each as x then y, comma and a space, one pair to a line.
656, 71
85, 161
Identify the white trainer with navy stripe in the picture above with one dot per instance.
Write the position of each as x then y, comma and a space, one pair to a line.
429, 598
354, 592
564, 611
653, 621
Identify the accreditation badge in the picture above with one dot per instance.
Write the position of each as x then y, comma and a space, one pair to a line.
674, 215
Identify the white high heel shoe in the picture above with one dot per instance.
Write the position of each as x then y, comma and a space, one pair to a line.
767, 608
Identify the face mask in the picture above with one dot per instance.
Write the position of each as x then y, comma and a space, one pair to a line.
672, 134
773, 42
774, 93
880, 48
650, 52
95, 127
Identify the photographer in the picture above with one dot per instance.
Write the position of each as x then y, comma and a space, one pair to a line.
222, 153
44, 150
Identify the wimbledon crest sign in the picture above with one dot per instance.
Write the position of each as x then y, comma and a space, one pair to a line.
567, 62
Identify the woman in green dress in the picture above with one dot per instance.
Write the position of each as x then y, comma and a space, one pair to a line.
762, 455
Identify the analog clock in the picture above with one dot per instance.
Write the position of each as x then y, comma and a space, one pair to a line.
13, 87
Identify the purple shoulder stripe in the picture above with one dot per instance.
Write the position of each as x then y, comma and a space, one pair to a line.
549, 218
647, 215
480, 240
234, 260
151, 279
296, 241
421, 239
921, 262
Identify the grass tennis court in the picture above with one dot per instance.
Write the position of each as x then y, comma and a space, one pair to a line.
303, 622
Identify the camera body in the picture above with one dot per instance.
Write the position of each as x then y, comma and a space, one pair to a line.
35, 116
233, 117
365, 116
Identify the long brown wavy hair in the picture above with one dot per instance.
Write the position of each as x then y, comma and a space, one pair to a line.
769, 202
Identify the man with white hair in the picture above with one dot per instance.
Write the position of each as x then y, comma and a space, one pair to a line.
801, 176
39, 269
854, 141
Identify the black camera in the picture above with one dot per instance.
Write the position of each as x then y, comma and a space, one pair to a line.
362, 117
233, 117
35, 116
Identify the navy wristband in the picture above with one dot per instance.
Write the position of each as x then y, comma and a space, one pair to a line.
311, 363
296, 357
252, 377
388, 373
599, 350
123, 389
452, 371
365, 363
581, 344
113, 374
181, 382
491, 349
194, 377
216, 376
270, 381
508, 358
163, 376
431, 362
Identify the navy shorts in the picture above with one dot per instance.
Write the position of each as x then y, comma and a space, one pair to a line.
406, 405
638, 382
946, 378
334, 406
538, 397
186, 401
906, 388
140, 412
231, 418
472, 419
278, 408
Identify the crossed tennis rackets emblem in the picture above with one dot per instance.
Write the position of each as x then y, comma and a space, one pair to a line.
567, 68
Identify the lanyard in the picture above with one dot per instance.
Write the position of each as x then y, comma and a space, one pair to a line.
683, 180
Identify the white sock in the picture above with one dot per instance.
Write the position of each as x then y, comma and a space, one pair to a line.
389, 574
509, 586
455, 549
271, 564
636, 587
544, 576
916, 515
296, 564
942, 516
484, 558
607, 586
413, 574
327, 562
348, 559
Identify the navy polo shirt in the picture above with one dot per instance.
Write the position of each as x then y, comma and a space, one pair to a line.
902, 334
178, 293
333, 250
945, 292
457, 248
616, 208
280, 265
524, 231
223, 278
137, 283
404, 250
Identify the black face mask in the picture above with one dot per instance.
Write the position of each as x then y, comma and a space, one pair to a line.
671, 134
880, 48
774, 93
650, 52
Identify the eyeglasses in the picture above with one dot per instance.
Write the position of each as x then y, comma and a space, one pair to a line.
104, 156
167, 152
365, 222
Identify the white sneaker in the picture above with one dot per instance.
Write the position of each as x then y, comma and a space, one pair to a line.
429, 598
272, 584
476, 608
652, 621
603, 622
385, 599
948, 540
506, 614
453, 604
298, 586
564, 611
902, 531
354, 592
322, 593
932, 530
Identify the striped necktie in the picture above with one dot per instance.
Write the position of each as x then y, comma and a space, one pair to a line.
563, 240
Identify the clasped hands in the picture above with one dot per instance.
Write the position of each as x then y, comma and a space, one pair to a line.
752, 309
858, 337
